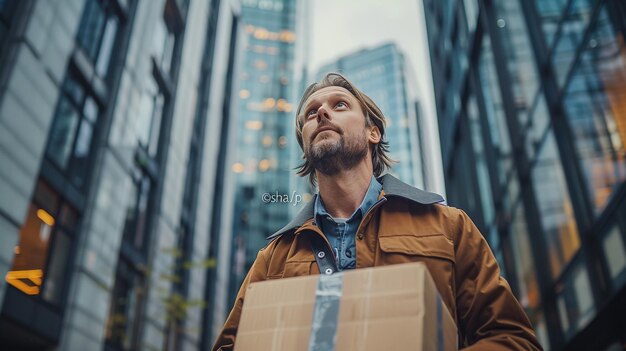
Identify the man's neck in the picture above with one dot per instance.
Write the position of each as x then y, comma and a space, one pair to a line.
343, 192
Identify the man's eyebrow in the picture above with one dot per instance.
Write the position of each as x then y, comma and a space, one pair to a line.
334, 95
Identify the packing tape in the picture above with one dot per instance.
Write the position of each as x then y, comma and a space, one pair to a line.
440, 340
326, 312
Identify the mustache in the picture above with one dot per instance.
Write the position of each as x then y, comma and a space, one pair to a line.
325, 126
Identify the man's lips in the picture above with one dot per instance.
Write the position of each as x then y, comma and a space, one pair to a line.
323, 129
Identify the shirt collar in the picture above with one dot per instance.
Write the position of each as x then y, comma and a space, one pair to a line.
370, 198
392, 187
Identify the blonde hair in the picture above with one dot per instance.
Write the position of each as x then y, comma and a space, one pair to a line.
373, 116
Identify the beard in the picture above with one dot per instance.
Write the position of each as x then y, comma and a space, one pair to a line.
331, 156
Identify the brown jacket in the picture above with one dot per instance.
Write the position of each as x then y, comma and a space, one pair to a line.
409, 225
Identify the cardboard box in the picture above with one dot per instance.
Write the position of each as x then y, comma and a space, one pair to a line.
384, 308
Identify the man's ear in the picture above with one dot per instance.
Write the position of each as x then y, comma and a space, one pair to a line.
373, 135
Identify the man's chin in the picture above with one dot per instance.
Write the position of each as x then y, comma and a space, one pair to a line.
325, 146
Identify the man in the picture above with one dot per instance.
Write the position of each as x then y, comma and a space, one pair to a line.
361, 218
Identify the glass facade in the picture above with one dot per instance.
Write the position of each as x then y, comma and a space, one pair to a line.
541, 96
265, 100
110, 113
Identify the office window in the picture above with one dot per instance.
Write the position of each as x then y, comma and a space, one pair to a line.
594, 102
482, 173
519, 55
7, 9
121, 327
150, 116
498, 129
71, 133
42, 253
97, 31
572, 30
164, 39
536, 129
471, 13
137, 212
550, 12
163, 44
555, 206
529, 293
574, 300
615, 255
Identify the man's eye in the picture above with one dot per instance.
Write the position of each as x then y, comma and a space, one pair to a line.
311, 112
341, 104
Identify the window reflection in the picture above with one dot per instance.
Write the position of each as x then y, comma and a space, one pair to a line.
555, 207
596, 109
572, 30
550, 12
471, 13
137, 212
121, 328
529, 295
149, 121
97, 31
71, 134
482, 174
163, 44
62, 132
520, 59
495, 111
575, 301
615, 255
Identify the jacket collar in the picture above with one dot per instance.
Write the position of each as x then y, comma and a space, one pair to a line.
392, 187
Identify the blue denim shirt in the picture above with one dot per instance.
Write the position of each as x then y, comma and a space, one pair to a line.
341, 232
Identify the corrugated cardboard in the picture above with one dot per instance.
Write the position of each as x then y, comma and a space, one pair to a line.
382, 308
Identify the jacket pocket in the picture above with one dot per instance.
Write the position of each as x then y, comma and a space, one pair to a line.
299, 268
433, 246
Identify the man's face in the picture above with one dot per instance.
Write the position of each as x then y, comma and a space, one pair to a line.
334, 132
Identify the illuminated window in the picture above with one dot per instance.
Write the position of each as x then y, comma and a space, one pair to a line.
238, 167
254, 125
40, 260
244, 94
264, 165
260, 64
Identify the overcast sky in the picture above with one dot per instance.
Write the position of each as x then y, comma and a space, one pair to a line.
341, 27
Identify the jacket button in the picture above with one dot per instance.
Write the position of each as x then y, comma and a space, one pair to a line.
321, 254
359, 236
328, 271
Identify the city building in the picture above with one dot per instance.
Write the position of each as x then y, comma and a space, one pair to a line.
260, 151
385, 75
530, 102
114, 115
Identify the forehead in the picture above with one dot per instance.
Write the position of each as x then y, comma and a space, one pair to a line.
329, 92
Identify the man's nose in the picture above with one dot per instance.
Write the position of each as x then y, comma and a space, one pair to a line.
322, 112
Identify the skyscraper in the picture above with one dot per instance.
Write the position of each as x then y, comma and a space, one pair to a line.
111, 114
530, 105
260, 154
385, 75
